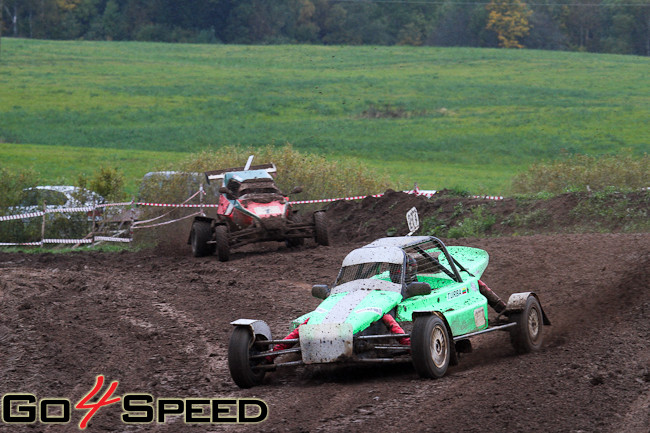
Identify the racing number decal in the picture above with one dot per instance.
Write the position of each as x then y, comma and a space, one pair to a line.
412, 220
268, 210
479, 317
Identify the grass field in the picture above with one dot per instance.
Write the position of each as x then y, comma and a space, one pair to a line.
442, 117
58, 165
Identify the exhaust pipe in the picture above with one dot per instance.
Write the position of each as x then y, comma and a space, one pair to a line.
493, 299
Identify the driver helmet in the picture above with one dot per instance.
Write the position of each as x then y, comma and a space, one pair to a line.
411, 271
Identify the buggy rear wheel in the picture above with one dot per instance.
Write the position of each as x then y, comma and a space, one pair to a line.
321, 235
527, 336
199, 236
430, 346
240, 365
223, 242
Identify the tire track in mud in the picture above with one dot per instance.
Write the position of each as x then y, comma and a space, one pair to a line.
21, 294
158, 311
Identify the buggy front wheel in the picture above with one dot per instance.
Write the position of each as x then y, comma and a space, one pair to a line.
242, 368
199, 237
223, 242
430, 346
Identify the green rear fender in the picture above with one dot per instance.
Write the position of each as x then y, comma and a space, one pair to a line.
472, 259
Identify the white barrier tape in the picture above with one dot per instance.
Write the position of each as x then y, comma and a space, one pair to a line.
132, 203
67, 241
328, 200
63, 241
166, 222
184, 204
157, 218
21, 216
41, 213
126, 203
427, 193
20, 244
70, 209
111, 239
361, 197
151, 220
488, 197
176, 205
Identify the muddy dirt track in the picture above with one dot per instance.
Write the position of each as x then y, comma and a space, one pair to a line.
158, 322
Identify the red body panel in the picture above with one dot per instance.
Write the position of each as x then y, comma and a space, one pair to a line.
241, 216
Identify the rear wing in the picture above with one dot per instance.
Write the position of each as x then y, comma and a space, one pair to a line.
219, 174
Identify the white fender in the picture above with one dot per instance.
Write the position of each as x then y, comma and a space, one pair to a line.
258, 327
517, 302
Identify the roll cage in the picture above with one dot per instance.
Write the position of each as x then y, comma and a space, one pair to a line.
381, 259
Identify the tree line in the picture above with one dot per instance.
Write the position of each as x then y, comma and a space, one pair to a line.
612, 26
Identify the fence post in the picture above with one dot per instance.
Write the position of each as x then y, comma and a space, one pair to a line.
201, 193
43, 223
92, 228
132, 218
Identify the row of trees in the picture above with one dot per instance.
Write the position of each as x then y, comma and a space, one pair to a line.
617, 26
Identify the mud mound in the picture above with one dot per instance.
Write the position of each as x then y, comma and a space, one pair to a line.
372, 217
448, 215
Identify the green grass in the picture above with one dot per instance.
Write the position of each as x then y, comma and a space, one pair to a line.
475, 116
63, 164
475, 178
581, 173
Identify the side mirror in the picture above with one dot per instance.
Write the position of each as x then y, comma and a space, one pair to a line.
296, 190
320, 291
417, 288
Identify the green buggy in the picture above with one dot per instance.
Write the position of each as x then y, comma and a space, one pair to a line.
396, 299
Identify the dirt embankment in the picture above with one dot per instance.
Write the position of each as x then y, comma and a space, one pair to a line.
449, 215
158, 322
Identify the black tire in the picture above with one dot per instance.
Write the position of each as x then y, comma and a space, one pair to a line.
295, 242
431, 346
240, 365
527, 335
223, 243
454, 357
199, 236
321, 236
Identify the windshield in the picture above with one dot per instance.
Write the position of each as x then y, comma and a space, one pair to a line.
379, 271
377, 268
